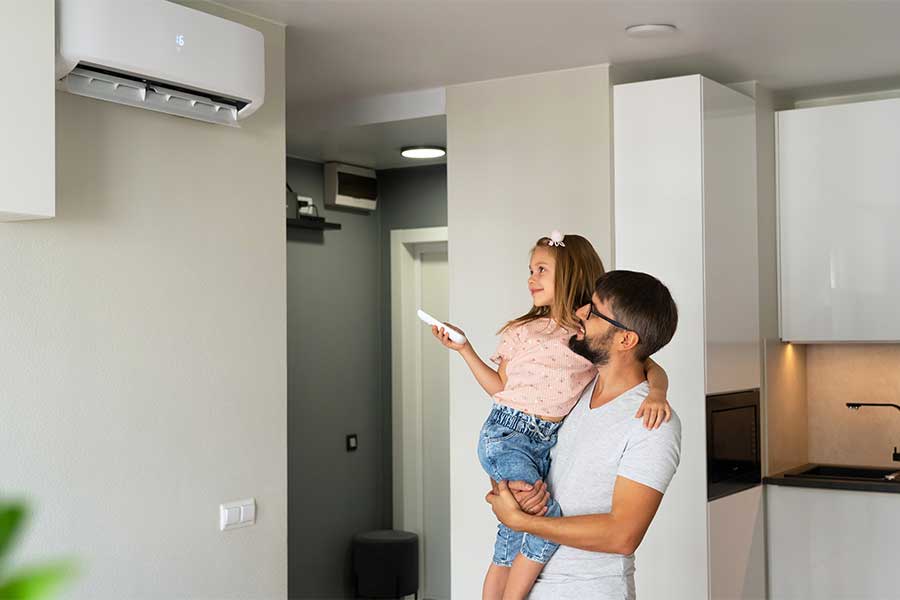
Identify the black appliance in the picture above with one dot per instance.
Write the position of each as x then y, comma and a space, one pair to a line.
733, 459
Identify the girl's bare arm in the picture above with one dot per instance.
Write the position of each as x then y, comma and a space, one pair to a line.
490, 380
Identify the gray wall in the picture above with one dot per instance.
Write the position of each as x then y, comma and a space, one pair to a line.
142, 369
339, 371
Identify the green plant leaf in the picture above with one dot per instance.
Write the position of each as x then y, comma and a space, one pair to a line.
12, 515
35, 583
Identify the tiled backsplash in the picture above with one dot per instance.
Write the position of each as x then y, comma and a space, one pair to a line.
837, 374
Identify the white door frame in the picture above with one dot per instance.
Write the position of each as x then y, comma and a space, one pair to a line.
407, 247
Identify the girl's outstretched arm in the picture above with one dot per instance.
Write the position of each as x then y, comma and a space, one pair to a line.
492, 381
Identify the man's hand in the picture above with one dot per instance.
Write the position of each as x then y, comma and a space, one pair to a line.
505, 507
532, 498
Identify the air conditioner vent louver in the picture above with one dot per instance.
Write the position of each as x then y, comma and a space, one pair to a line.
104, 85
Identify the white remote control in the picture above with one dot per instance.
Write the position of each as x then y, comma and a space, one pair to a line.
454, 335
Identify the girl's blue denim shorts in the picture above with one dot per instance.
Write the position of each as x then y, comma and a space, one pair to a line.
515, 446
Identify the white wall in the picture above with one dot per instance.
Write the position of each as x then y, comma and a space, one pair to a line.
526, 155
142, 374
27, 138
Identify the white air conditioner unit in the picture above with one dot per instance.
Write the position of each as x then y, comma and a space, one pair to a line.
350, 187
158, 55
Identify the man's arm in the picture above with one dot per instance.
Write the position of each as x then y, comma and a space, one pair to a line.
619, 532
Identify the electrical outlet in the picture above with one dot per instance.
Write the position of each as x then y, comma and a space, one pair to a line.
352, 443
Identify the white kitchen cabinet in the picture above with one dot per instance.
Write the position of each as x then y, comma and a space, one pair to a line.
685, 212
832, 544
27, 143
737, 546
685, 176
731, 249
839, 209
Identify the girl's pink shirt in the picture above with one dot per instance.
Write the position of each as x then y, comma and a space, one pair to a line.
543, 376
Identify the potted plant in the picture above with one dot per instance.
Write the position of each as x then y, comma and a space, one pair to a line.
28, 583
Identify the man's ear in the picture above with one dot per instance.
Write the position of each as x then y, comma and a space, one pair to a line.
630, 339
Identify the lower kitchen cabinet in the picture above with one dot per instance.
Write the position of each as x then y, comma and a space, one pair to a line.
737, 546
830, 544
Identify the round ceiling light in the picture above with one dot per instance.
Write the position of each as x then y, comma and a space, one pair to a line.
655, 30
422, 152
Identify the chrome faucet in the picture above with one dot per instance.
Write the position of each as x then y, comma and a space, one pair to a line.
857, 405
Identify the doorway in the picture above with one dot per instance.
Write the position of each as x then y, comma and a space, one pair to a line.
420, 402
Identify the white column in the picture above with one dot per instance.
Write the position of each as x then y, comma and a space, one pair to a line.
526, 155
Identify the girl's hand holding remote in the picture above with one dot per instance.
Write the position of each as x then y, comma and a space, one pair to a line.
441, 334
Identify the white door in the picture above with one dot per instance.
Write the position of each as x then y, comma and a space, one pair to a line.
420, 403
435, 432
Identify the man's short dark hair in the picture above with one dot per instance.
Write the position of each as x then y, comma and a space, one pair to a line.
640, 302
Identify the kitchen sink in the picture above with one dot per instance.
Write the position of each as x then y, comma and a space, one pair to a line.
845, 472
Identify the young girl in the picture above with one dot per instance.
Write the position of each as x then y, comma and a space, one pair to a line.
539, 380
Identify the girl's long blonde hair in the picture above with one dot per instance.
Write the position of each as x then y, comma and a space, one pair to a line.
577, 268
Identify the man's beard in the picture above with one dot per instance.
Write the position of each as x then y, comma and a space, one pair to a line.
596, 351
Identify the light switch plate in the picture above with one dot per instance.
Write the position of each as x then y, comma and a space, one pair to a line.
232, 515
240, 513
248, 513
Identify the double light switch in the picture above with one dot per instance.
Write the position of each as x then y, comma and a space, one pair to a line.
240, 513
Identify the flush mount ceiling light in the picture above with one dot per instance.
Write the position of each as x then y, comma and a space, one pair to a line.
422, 152
654, 30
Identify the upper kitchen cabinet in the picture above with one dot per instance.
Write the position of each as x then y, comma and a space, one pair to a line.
27, 144
839, 209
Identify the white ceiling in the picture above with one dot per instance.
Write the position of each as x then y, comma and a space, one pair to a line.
340, 51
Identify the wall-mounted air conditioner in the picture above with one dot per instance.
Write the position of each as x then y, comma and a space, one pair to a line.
161, 56
350, 187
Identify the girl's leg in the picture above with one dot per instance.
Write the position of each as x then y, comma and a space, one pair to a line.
521, 577
529, 563
494, 582
508, 453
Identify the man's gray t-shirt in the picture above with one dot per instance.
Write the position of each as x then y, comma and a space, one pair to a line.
595, 446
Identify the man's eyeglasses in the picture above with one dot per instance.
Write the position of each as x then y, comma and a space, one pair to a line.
613, 322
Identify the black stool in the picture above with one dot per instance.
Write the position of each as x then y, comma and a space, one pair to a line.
386, 563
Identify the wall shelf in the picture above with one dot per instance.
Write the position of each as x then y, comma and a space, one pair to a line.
317, 223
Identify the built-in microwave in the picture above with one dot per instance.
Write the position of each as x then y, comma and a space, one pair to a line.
732, 443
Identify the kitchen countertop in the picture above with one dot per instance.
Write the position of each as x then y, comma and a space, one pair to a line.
784, 478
